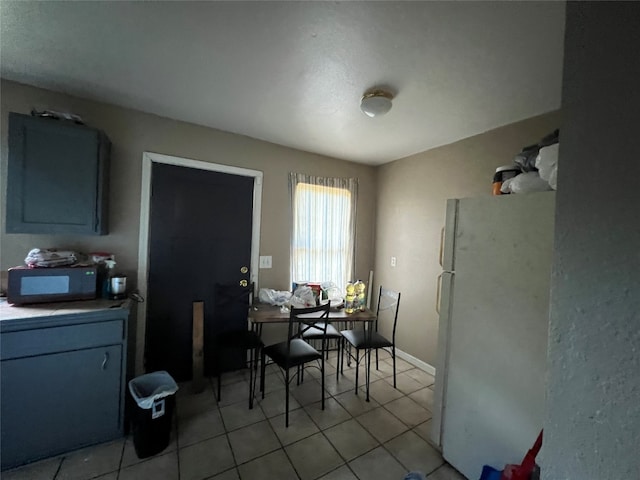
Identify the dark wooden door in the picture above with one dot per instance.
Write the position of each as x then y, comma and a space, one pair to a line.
199, 236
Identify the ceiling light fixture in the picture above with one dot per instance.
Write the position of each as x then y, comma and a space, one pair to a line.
376, 103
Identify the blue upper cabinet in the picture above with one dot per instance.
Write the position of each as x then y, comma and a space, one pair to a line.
58, 177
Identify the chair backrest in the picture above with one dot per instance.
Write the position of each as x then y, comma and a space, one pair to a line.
231, 306
226, 314
303, 319
388, 301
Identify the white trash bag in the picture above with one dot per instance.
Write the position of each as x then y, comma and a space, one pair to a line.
334, 294
273, 297
527, 182
547, 164
303, 297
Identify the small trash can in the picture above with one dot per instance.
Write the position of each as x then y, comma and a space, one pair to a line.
154, 396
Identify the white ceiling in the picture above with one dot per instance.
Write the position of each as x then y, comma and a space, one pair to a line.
293, 73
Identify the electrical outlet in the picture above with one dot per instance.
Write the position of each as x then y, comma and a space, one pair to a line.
393, 261
265, 261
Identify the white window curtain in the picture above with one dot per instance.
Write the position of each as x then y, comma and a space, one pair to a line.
324, 228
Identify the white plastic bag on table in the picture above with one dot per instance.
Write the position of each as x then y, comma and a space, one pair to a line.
303, 297
273, 297
527, 182
547, 164
333, 293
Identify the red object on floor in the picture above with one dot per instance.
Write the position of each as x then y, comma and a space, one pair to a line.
523, 471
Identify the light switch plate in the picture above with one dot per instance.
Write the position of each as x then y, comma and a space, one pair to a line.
393, 261
265, 261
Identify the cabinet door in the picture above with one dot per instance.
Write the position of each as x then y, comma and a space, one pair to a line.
58, 402
56, 177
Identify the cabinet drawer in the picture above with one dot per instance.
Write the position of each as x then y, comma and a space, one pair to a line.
28, 343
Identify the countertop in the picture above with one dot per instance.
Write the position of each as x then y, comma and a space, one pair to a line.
18, 312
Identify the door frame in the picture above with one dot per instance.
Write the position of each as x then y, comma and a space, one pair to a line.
148, 159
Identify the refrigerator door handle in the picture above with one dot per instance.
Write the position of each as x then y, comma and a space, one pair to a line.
439, 288
441, 255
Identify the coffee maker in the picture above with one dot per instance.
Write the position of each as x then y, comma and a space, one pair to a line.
117, 287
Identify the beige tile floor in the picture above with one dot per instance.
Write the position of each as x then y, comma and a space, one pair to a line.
350, 440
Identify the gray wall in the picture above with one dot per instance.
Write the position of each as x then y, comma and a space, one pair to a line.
412, 196
592, 427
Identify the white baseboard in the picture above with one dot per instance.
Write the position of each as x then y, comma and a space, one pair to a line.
430, 369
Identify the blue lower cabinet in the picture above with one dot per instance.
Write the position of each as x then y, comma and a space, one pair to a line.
56, 402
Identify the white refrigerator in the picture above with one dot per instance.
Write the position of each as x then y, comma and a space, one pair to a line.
492, 341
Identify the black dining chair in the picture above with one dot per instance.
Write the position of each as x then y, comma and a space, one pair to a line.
315, 334
367, 338
295, 352
232, 338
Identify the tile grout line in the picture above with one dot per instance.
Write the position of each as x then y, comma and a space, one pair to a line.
59, 468
437, 468
124, 444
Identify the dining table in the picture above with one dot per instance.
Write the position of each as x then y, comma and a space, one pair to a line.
265, 314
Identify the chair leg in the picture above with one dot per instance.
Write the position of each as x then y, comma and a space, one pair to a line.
252, 353
263, 365
357, 368
255, 368
367, 365
218, 360
393, 354
286, 386
322, 372
339, 360
377, 366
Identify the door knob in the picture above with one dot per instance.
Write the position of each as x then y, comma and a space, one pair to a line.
244, 270
243, 283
